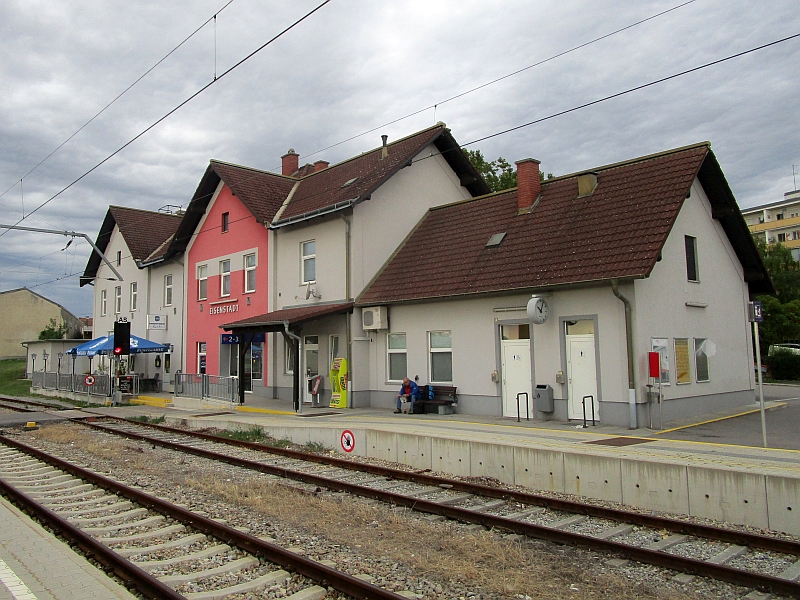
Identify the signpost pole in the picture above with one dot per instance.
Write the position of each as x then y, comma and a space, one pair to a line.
760, 386
756, 316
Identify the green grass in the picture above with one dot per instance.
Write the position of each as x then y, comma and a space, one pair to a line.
255, 435
146, 419
12, 378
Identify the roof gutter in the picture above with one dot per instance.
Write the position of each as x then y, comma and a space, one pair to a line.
313, 213
629, 344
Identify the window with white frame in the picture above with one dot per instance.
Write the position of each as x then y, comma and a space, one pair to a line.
701, 359
168, 290
202, 282
103, 303
118, 299
397, 358
225, 277
308, 251
134, 295
440, 346
249, 272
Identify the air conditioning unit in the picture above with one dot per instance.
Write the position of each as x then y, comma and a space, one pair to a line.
375, 317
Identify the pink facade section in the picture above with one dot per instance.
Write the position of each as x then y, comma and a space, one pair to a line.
210, 247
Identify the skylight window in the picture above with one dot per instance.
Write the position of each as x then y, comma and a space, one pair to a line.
495, 240
349, 182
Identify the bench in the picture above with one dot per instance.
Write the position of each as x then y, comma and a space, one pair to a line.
444, 398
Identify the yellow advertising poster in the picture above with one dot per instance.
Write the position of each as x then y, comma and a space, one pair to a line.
339, 383
683, 374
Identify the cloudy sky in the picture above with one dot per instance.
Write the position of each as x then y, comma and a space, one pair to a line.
356, 65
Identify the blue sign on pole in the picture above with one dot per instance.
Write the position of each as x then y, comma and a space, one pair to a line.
756, 312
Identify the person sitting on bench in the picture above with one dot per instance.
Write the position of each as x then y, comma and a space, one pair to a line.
410, 391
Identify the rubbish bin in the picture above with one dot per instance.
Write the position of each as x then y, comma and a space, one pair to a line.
544, 399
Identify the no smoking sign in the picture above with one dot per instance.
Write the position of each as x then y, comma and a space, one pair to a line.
348, 441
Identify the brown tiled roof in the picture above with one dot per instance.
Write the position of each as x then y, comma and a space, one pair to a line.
144, 230
615, 232
261, 192
292, 315
358, 177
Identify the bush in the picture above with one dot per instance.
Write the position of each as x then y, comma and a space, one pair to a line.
784, 365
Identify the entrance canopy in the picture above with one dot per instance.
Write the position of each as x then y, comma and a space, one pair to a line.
275, 320
105, 345
281, 321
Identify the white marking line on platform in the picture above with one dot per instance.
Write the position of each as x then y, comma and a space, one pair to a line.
14, 584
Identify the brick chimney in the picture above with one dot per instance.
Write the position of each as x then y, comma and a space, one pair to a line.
528, 184
290, 162
320, 164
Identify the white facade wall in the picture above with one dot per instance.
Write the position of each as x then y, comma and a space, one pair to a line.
381, 224
150, 300
719, 311
377, 227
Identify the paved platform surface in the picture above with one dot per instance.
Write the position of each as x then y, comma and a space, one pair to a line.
569, 437
35, 565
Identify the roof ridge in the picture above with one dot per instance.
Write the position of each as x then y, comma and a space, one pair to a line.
576, 173
262, 171
631, 161
440, 125
153, 212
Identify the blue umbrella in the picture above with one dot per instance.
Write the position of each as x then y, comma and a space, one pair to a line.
105, 345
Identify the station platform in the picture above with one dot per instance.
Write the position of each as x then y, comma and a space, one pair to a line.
643, 468
35, 565
740, 484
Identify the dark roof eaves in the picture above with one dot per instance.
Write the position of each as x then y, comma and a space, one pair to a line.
318, 212
502, 291
103, 237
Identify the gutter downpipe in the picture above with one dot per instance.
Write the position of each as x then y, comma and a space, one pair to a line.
296, 377
629, 344
348, 321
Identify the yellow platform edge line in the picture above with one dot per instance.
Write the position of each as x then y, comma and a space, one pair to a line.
151, 401
267, 411
741, 414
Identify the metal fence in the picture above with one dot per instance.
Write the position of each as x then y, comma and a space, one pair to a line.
194, 385
69, 382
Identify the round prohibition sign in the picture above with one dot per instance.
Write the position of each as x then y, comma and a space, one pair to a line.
348, 441
89, 380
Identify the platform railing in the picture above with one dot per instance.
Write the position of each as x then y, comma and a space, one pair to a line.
197, 385
75, 382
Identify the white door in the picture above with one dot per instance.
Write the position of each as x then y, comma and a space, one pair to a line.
310, 363
581, 376
516, 359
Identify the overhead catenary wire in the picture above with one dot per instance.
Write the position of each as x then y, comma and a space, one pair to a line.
461, 94
178, 107
501, 78
127, 89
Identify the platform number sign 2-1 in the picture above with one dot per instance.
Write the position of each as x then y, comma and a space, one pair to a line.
348, 441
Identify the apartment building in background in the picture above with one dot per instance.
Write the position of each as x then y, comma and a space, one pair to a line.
777, 222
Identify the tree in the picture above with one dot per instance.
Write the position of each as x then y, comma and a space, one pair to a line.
783, 269
498, 174
53, 331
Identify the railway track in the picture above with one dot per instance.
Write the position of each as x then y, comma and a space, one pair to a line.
757, 561
24, 405
160, 548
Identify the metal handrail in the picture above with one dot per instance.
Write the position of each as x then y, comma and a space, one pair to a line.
527, 408
584, 410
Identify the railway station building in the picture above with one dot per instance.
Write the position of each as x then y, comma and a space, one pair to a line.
651, 254
274, 261
150, 295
